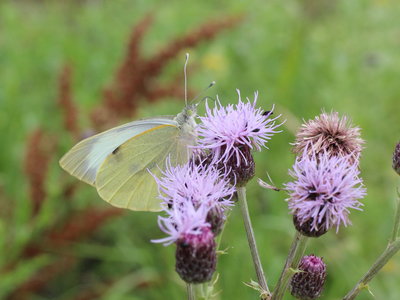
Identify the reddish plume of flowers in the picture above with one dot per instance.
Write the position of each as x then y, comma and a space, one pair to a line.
39, 151
137, 76
76, 228
66, 103
58, 266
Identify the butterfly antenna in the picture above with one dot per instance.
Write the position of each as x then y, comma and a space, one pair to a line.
185, 74
202, 92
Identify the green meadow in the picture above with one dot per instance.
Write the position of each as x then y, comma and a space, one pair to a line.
303, 56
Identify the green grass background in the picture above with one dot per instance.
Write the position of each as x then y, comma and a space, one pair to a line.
303, 56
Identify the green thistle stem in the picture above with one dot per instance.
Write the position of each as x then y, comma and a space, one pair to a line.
190, 291
390, 251
296, 252
241, 191
395, 231
392, 248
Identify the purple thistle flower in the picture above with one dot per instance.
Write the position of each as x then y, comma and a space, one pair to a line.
190, 194
182, 219
230, 133
223, 129
194, 197
198, 183
324, 190
186, 225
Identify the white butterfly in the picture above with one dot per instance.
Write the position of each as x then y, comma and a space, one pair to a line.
118, 162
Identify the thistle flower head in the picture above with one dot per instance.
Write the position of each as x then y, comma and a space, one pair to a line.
230, 133
186, 225
328, 132
309, 282
324, 189
194, 197
191, 194
396, 159
182, 219
196, 182
224, 129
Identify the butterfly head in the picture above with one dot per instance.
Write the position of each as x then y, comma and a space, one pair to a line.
187, 116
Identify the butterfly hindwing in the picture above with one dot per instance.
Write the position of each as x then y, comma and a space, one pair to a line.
124, 179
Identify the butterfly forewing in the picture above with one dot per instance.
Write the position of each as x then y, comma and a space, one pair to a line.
85, 158
124, 179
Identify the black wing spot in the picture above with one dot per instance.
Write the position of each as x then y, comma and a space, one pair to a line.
116, 150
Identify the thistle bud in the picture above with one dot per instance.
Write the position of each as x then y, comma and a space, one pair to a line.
196, 257
396, 159
308, 283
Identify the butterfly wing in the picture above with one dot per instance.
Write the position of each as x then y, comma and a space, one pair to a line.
124, 179
85, 158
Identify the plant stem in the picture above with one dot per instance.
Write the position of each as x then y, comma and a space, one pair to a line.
295, 253
392, 248
190, 291
241, 191
395, 231
390, 251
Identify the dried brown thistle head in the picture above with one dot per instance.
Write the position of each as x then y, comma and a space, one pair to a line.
331, 133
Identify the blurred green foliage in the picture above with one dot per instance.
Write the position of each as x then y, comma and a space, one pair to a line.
301, 55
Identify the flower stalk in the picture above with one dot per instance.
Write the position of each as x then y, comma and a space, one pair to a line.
395, 231
241, 191
190, 291
296, 251
390, 251
392, 248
